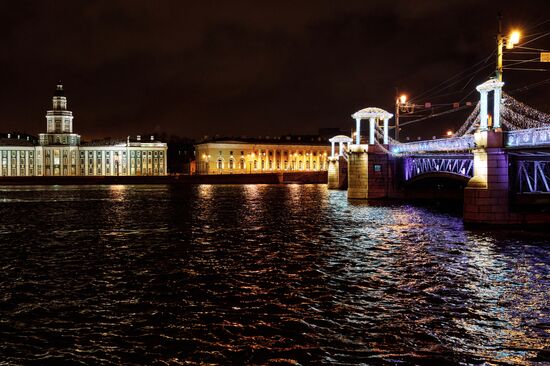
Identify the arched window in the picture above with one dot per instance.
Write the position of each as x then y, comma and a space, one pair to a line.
242, 164
231, 164
220, 163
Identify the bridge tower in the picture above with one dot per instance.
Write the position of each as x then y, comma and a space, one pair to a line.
370, 174
486, 197
338, 163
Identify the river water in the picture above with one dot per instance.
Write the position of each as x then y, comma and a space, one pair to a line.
261, 274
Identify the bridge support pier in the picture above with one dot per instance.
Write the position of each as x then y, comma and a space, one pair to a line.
369, 173
487, 195
333, 170
337, 173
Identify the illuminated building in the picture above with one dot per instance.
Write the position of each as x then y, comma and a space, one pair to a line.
249, 156
59, 151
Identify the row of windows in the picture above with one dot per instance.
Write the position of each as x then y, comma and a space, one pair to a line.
63, 161
293, 165
270, 153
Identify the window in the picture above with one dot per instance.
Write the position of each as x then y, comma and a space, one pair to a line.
231, 164
56, 157
242, 164
220, 163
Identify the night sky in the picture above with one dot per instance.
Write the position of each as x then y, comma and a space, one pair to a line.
248, 67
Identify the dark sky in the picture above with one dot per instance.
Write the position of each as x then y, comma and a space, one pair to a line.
195, 68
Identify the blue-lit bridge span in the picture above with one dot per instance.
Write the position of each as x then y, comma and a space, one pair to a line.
498, 159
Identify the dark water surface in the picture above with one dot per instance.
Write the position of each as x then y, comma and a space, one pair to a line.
258, 275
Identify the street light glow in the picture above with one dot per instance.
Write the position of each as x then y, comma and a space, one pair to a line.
449, 133
403, 98
513, 39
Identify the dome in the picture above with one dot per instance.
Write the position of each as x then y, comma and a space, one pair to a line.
372, 112
341, 138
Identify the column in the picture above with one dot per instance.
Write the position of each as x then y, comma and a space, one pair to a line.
496, 108
358, 131
386, 131
18, 160
27, 163
340, 149
371, 130
483, 111
332, 148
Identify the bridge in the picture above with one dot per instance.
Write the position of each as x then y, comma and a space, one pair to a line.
502, 156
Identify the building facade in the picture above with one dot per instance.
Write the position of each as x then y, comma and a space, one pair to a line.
59, 151
284, 154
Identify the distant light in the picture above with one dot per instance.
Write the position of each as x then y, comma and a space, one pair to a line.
403, 98
449, 133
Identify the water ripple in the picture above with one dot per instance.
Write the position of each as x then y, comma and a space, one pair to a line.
256, 274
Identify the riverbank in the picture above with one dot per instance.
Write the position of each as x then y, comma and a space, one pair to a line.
261, 178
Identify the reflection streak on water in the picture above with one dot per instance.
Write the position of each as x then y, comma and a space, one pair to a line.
258, 273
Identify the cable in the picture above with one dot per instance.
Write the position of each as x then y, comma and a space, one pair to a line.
530, 86
435, 115
534, 39
484, 60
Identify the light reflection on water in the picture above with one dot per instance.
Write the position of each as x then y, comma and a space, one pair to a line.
260, 274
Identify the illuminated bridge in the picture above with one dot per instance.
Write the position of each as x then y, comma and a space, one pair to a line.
501, 162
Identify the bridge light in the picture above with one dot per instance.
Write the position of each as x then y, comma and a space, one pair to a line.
403, 98
449, 133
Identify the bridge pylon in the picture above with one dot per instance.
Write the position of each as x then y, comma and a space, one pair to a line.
370, 172
487, 195
338, 162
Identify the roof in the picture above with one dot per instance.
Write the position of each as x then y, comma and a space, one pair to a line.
371, 112
16, 142
275, 140
341, 138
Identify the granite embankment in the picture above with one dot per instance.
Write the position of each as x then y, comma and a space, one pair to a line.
261, 178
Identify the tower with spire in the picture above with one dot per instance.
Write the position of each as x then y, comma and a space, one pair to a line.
59, 122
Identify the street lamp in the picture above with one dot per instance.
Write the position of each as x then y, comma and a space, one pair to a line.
511, 40
400, 103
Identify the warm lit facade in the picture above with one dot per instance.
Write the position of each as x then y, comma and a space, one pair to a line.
248, 157
60, 153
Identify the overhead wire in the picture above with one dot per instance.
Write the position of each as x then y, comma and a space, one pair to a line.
438, 86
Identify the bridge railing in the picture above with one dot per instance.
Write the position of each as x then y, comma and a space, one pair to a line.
462, 143
528, 138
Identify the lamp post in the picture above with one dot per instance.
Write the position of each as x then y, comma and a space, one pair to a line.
400, 102
510, 40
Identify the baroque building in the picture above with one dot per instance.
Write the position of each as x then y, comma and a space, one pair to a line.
250, 156
59, 151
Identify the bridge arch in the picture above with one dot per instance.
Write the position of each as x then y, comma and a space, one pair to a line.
438, 176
